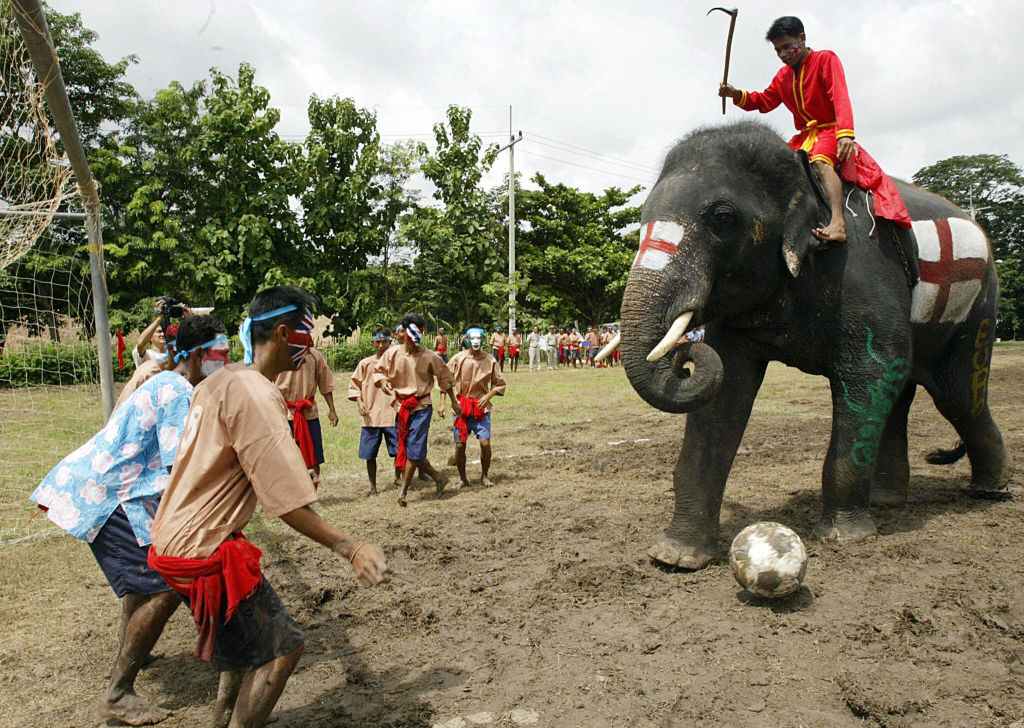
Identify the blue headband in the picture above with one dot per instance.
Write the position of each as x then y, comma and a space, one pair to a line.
413, 332
184, 354
378, 337
245, 330
475, 330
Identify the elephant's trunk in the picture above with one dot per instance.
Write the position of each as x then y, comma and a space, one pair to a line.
664, 382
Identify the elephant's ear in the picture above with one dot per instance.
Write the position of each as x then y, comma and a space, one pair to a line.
803, 213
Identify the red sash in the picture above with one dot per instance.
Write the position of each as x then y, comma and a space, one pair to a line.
231, 572
404, 412
300, 430
501, 352
513, 351
470, 408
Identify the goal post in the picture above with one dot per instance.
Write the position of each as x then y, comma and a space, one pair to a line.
31, 20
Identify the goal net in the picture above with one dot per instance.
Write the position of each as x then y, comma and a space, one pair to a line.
49, 391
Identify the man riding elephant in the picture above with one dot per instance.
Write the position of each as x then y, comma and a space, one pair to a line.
812, 85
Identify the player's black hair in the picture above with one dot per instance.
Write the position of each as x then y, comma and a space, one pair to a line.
414, 318
475, 326
381, 330
786, 25
196, 330
278, 297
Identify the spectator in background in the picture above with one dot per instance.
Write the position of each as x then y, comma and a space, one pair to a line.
515, 343
534, 343
498, 342
551, 342
441, 344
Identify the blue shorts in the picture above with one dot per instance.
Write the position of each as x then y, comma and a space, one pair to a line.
122, 560
369, 441
314, 434
260, 631
481, 428
419, 430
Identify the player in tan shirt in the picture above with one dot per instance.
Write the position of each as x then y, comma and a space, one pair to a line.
515, 345
478, 379
408, 372
236, 452
376, 411
498, 346
300, 386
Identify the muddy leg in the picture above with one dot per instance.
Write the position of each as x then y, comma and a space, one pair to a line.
371, 473
227, 695
261, 689
143, 630
460, 462
485, 462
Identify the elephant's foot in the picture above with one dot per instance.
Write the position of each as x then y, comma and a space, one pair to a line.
849, 528
672, 551
993, 478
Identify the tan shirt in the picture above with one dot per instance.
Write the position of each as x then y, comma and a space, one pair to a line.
379, 407
302, 383
146, 371
476, 376
413, 374
236, 450
497, 340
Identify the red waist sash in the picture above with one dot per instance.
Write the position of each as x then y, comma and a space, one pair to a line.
232, 572
300, 430
404, 413
470, 408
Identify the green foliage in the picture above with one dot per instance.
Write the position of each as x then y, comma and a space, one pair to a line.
343, 356
457, 240
573, 251
39, 363
994, 187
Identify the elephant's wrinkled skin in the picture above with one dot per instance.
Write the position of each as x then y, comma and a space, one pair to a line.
748, 268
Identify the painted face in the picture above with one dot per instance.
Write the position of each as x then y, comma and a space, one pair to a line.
476, 338
790, 50
215, 358
413, 332
300, 340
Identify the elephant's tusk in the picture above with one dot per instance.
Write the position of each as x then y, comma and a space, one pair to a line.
608, 349
675, 333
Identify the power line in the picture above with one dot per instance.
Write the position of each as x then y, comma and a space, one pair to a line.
590, 131
592, 169
597, 156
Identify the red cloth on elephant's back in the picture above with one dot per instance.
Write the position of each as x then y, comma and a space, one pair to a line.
863, 171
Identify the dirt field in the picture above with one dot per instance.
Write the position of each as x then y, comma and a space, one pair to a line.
533, 603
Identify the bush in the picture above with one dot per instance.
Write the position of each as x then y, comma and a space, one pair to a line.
40, 362
344, 356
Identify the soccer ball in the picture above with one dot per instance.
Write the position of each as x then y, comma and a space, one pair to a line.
768, 559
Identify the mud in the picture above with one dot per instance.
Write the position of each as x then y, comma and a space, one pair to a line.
533, 602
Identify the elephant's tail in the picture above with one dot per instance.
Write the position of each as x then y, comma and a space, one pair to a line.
947, 457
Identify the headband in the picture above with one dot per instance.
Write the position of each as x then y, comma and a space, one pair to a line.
245, 330
184, 354
378, 337
477, 331
414, 332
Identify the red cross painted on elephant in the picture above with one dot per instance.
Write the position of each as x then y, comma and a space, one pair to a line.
948, 270
659, 241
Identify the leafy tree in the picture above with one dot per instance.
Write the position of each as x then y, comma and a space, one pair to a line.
573, 250
210, 218
993, 187
458, 239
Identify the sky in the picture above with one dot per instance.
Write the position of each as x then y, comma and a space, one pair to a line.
600, 89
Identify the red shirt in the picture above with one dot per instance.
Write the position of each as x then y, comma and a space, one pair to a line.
815, 93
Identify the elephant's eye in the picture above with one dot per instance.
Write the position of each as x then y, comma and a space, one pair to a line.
720, 215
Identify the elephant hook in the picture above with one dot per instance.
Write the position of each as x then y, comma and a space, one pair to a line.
728, 44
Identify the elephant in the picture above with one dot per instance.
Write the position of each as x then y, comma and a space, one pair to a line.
726, 244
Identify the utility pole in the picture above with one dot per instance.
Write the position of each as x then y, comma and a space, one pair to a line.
512, 141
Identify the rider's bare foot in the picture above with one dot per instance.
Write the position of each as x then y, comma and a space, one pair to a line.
834, 232
133, 710
485, 481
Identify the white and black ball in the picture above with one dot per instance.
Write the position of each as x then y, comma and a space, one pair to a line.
768, 559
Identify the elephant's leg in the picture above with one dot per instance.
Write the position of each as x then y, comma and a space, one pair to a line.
960, 391
865, 388
713, 434
892, 472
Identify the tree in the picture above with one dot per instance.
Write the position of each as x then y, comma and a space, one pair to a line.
573, 249
210, 217
458, 240
994, 187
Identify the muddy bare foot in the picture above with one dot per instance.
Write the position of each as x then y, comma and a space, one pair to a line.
834, 232
371, 492
401, 502
672, 552
442, 481
151, 658
133, 710
486, 482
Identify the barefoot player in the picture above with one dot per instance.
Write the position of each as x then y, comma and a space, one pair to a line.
236, 453
106, 493
376, 410
299, 389
408, 372
477, 379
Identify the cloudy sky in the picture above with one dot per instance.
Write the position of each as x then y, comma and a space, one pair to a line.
600, 89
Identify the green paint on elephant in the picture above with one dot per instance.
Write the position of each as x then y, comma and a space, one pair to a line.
873, 414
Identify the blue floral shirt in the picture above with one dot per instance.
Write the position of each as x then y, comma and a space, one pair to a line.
124, 464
